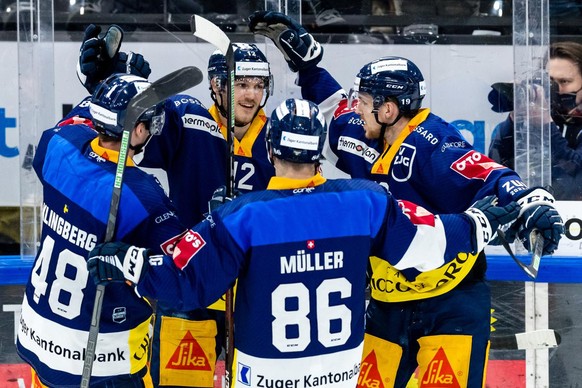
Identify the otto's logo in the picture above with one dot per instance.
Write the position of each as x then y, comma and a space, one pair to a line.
439, 373
417, 214
169, 245
187, 247
474, 165
188, 355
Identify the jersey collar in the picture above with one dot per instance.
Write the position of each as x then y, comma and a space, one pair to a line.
281, 183
107, 154
245, 146
382, 165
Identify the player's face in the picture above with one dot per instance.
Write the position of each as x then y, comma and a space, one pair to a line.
248, 95
364, 107
566, 75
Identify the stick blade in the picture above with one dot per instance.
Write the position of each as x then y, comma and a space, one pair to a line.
206, 30
167, 86
530, 340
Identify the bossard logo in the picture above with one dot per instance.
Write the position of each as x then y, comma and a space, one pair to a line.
370, 376
403, 161
439, 373
188, 355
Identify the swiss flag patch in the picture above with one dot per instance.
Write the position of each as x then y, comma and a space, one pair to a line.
417, 214
187, 248
474, 165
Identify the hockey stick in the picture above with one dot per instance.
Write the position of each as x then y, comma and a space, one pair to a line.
537, 242
211, 33
538, 339
160, 90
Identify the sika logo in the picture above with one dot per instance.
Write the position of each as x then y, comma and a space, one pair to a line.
188, 355
439, 373
369, 374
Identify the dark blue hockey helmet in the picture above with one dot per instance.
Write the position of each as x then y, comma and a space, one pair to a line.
249, 61
296, 131
391, 77
110, 100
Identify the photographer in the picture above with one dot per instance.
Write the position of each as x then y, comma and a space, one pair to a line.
565, 70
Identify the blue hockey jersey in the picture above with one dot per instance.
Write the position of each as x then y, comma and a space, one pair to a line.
77, 177
430, 164
193, 152
300, 251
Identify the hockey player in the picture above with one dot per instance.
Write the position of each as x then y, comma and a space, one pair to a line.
300, 261
77, 167
193, 153
383, 134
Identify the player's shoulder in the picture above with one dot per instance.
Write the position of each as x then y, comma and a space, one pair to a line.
433, 132
76, 134
354, 184
182, 102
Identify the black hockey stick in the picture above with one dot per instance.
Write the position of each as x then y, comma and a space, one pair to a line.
160, 90
211, 33
536, 242
538, 339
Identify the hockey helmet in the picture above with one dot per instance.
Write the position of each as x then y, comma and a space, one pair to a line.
249, 61
111, 99
296, 131
394, 77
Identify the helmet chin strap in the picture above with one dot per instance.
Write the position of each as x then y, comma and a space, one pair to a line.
384, 126
139, 147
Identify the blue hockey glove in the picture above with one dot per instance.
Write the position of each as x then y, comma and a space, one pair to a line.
299, 48
538, 212
487, 217
117, 262
218, 199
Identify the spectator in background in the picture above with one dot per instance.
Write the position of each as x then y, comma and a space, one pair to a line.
565, 70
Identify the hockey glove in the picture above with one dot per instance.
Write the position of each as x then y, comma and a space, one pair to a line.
218, 199
487, 217
117, 262
538, 212
100, 57
299, 48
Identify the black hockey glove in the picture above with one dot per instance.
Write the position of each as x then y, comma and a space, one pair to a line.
537, 213
487, 217
218, 199
299, 48
117, 262
100, 57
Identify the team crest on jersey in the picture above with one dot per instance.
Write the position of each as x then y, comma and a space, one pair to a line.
187, 248
474, 165
402, 164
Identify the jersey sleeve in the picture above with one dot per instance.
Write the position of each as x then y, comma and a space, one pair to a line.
205, 264
411, 237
